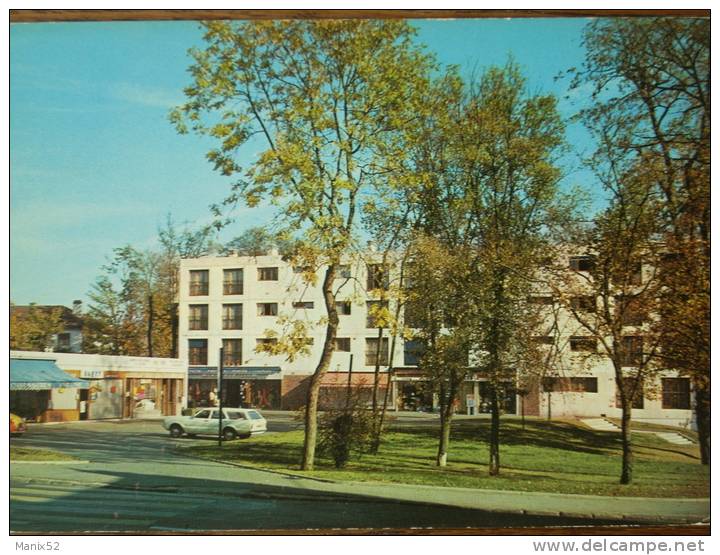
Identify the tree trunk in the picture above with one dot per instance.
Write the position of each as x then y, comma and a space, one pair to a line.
174, 326
702, 415
494, 432
150, 323
376, 378
308, 460
627, 454
375, 445
445, 420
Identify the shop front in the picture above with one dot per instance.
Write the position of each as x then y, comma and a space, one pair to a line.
412, 391
41, 392
250, 386
112, 387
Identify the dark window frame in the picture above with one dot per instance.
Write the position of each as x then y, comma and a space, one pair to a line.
582, 263
378, 277
230, 323
582, 343
198, 323
201, 287
412, 352
198, 353
232, 357
344, 347
371, 351
268, 273
676, 394
262, 311
233, 286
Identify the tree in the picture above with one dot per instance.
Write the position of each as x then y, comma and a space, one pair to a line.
613, 297
328, 99
33, 327
650, 80
255, 241
490, 192
437, 278
109, 328
133, 307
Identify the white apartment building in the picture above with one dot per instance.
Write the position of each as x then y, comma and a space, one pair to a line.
232, 301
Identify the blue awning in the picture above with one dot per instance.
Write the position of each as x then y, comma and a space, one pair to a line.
38, 375
232, 372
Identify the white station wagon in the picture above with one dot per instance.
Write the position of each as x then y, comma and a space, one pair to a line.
241, 423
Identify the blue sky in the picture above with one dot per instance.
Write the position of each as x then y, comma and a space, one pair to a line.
96, 165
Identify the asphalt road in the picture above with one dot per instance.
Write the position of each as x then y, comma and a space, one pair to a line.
132, 479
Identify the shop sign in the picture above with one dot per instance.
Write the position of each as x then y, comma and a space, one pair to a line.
92, 374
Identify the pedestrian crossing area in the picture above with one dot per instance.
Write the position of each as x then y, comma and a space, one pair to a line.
57, 507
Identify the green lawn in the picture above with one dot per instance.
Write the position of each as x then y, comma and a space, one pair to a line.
559, 457
28, 454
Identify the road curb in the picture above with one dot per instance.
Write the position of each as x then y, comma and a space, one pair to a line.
49, 462
630, 518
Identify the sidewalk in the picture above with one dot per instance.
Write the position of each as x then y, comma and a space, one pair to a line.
645, 510
632, 509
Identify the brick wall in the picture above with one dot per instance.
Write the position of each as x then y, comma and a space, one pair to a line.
333, 389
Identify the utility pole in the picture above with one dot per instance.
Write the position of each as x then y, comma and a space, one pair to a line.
220, 397
349, 383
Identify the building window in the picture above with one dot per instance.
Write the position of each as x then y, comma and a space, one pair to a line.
197, 352
63, 342
371, 351
232, 352
342, 272
233, 282
232, 317
582, 263
638, 400
412, 352
550, 384
676, 393
540, 299
199, 282
586, 344
304, 304
629, 310
342, 344
584, 303
543, 339
377, 277
631, 351
266, 341
198, 317
267, 309
583, 385
268, 274
344, 308
303, 269
374, 309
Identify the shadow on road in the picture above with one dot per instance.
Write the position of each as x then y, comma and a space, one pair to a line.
137, 502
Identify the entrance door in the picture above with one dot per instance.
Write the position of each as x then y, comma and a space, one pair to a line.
83, 404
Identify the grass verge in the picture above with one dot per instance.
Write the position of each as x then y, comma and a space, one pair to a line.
557, 457
38, 455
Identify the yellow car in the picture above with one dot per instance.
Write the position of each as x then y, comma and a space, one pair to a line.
17, 425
